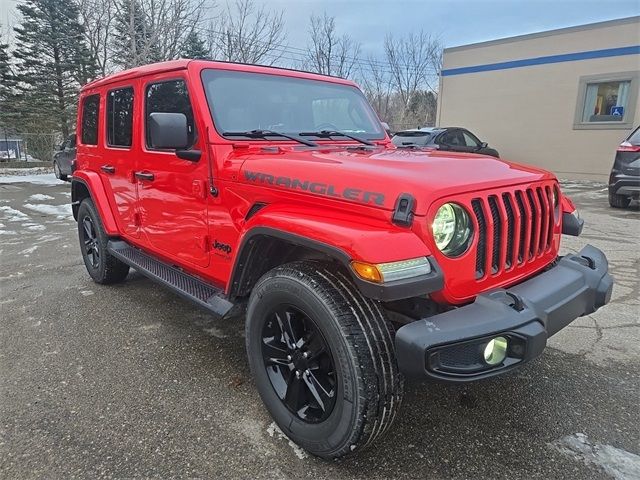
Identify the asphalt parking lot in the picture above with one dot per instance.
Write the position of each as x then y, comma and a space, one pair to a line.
131, 381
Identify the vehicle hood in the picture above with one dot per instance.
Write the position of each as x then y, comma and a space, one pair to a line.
378, 177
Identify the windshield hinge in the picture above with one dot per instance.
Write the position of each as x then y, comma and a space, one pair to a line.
403, 210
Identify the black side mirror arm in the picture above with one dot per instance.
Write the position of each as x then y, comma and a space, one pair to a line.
189, 155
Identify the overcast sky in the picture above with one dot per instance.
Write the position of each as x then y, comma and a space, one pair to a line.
456, 22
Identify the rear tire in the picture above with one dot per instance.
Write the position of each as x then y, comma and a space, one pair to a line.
103, 267
618, 201
58, 173
362, 388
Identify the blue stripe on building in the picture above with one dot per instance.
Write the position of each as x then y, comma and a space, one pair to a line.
526, 62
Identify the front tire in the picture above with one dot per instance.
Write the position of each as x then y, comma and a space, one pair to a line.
103, 267
323, 359
618, 201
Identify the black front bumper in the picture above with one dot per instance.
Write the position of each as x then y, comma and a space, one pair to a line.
450, 346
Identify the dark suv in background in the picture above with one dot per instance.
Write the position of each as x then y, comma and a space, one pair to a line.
452, 139
64, 158
624, 180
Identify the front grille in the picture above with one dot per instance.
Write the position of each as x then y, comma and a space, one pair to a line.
513, 228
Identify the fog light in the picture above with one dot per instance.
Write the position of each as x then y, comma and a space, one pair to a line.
495, 351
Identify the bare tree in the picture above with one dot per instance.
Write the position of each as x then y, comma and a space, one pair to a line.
149, 31
330, 53
98, 17
377, 83
414, 65
248, 34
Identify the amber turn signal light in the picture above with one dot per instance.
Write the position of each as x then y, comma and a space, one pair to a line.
367, 271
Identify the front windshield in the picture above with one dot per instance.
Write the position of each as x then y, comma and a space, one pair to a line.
243, 101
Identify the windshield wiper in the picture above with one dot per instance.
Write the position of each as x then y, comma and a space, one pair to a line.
269, 133
334, 133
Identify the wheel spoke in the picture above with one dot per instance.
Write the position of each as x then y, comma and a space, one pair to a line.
86, 223
275, 354
295, 393
283, 317
314, 345
321, 395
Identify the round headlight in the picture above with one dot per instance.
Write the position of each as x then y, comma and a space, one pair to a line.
451, 229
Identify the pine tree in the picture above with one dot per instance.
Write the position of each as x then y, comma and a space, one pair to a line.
7, 87
194, 47
53, 61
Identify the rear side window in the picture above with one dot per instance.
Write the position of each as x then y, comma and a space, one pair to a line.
120, 117
402, 139
169, 97
454, 138
90, 114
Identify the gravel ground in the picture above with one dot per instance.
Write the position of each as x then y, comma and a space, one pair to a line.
130, 381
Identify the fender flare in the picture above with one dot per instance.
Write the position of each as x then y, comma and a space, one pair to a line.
312, 232
92, 182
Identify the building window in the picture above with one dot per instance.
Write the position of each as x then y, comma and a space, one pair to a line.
606, 101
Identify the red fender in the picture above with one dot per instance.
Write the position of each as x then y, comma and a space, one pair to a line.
93, 183
366, 239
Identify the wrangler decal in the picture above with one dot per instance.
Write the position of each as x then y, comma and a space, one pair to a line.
354, 194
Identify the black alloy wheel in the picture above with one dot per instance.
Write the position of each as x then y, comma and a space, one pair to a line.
101, 265
322, 358
299, 364
90, 240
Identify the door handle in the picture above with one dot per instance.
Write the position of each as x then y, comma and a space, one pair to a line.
144, 176
108, 169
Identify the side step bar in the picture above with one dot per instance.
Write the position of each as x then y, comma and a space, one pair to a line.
185, 285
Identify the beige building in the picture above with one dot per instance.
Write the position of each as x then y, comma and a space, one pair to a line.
562, 99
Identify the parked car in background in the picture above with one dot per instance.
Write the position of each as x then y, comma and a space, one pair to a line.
453, 139
64, 159
624, 180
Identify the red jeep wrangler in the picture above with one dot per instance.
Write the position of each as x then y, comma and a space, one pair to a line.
359, 264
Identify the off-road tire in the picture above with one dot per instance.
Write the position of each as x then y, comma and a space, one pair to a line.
58, 173
369, 387
108, 269
619, 201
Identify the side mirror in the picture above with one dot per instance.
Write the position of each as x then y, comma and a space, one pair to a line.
60, 148
484, 145
168, 130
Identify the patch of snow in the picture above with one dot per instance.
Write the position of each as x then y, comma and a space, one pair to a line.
86, 293
59, 211
34, 227
45, 179
8, 232
40, 196
215, 332
28, 250
617, 463
274, 431
12, 215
